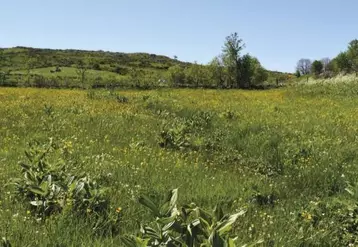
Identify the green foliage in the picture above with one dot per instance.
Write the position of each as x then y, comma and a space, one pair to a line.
343, 63
186, 226
217, 72
231, 56
90, 69
352, 55
347, 62
317, 67
182, 133
197, 76
49, 189
176, 75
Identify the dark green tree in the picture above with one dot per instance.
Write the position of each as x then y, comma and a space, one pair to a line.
343, 63
317, 68
217, 71
176, 75
231, 54
352, 55
81, 69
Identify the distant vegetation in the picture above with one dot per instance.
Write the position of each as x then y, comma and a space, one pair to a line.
345, 63
31, 67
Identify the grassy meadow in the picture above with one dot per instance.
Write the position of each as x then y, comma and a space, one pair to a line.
288, 157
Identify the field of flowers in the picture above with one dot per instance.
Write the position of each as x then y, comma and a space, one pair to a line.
286, 157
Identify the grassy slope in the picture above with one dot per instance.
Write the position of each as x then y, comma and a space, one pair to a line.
260, 151
68, 72
15, 59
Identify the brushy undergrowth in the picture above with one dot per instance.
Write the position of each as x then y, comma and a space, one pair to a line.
287, 157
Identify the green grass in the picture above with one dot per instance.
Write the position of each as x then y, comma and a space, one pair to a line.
243, 146
69, 72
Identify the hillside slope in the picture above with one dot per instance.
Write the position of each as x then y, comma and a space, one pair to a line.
18, 58
25, 66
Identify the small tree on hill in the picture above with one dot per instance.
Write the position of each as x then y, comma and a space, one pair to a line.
176, 75
343, 63
317, 68
81, 70
30, 65
217, 72
304, 66
352, 55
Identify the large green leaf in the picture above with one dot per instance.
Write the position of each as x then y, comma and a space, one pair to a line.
226, 225
147, 202
151, 233
37, 190
170, 203
218, 212
216, 240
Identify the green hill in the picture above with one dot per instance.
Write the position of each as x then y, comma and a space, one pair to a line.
25, 66
16, 58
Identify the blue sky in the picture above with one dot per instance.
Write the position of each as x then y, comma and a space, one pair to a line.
278, 32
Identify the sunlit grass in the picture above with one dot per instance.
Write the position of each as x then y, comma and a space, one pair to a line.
291, 143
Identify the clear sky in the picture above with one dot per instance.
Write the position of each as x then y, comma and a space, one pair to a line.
278, 32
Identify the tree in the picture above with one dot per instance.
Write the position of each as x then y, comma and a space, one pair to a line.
317, 67
217, 72
326, 64
343, 63
352, 55
176, 75
196, 75
30, 64
260, 76
304, 66
231, 53
2, 58
81, 70
3, 78
298, 73
251, 71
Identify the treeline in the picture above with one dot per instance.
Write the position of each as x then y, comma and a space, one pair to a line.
230, 69
346, 62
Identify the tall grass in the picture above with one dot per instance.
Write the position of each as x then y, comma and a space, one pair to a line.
288, 156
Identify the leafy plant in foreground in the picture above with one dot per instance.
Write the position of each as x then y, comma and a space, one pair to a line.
188, 225
48, 189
